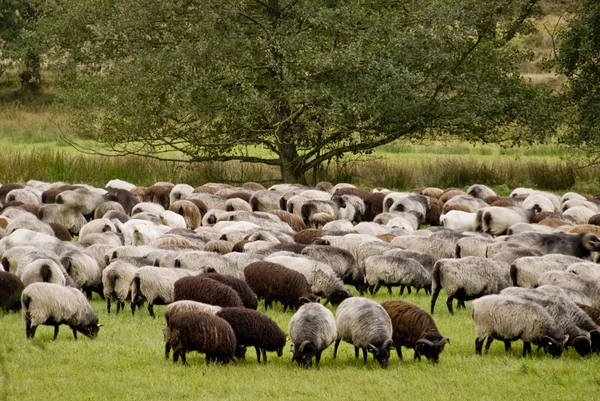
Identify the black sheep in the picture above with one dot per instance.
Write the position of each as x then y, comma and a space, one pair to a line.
249, 298
11, 288
197, 331
206, 290
274, 282
253, 329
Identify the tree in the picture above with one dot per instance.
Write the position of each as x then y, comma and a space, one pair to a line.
578, 58
291, 83
16, 20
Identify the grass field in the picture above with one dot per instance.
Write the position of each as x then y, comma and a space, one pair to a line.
126, 362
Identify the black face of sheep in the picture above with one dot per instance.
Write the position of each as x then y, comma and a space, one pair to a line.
304, 353
90, 331
429, 349
582, 345
553, 347
590, 242
338, 296
382, 354
595, 337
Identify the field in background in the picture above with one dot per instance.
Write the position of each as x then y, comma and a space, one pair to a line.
126, 362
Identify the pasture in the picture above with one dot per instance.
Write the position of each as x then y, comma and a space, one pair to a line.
126, 362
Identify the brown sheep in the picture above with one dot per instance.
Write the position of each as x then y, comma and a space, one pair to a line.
196, 331
11, 288
450, 193
459, 207
544, 215
434, 211
503, 203
243, 195
585, 228
205, 290
190, 211
553, 223
253, 186
293, 220
432, 192
274, 282
249, 298
219, 246
592, 312
318, 220
308, 235
414, 328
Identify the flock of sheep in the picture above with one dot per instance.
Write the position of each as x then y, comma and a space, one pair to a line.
211, 253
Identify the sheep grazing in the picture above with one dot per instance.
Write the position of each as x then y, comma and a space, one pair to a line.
196, 331
276, 283
85, 272
249, 298
505, 318
155, 285
206, 290
414, 328
253, 329
467, 279
341, 261
116, 283
579, 246
366, 325
312, 329
524, 272
570, 281
52, 305
396, 271
11, 288
187, 305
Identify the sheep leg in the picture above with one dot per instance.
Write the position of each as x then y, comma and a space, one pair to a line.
108, 305
28, 328
32, 331
151, 309
88, 294
376, 289
370, 289
434, 297
417, 355
168, 350
318, 357
335, 348
74, 332
133, 307
175, 356
365, 355
526, 348
479, 345
507, 346
183, 360
399, 352
408, 289
264, 353
488, 343
449, 305
55, 331
257, 353
285, 306
402, 287
120, 306
461, 304
389, 287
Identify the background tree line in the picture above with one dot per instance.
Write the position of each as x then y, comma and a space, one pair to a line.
296, 84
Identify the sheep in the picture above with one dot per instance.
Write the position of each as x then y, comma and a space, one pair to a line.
593, 313
155, 285
11, 288
253, 329
206, 290
81, 199
414, 328
566, 314
576, 203
120, 184
438, 248
481, 191
570, 281
472, 246
459, 220
575, 296
312, 329
340, 260
579, 246
497, 220
537, 203
294, 221
85, 272
265, 200
241, 260
396, 271
425, 259
122, 197
172, 219
116, 282
42, 270
179, 192
29, 222
27, 196
207, 262
524, 272
579, 214
467, 279
416, 204
366, 325
471, 202
350, 207
320, 276
72, 219
273, 282
248, 297
196, 331
52, 305
588, 270
6, 188
507, 318
308, 235
190, 212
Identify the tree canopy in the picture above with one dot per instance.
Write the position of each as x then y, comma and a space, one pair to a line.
291, 83
579, 59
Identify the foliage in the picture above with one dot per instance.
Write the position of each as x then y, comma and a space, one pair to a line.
578, 57
302, 82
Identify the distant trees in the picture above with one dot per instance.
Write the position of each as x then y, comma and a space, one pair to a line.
291, 83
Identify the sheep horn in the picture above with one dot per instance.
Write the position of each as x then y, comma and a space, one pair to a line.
565, 339
301, 347
388, 343
443, 341
424, 341
582, 337
373, 348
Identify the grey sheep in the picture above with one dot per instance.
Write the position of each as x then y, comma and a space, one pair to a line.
85, 272
70, 218
205, 262
438, 248
524, 272
366, 325
570, 281
312, 329
396, 271
564, 312
497, 220
116, 282
507, 318
52, 305
467, 279
155, 285
342, 262
575, 296
580, 245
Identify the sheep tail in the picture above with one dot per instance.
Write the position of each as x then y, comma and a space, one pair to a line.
514, 275
435, 286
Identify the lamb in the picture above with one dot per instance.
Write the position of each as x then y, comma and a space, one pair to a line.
365, 324
565, 313
52, 305
312, 329
206, 290
253, 329
467, 279
155, 285
506, 318
396, 271
321, 278
414, 328
248, 297
11, 288
274, 282
524, 272
196, 331
579, 246
116, 282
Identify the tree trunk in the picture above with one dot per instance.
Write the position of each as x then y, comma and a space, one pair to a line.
291, 164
